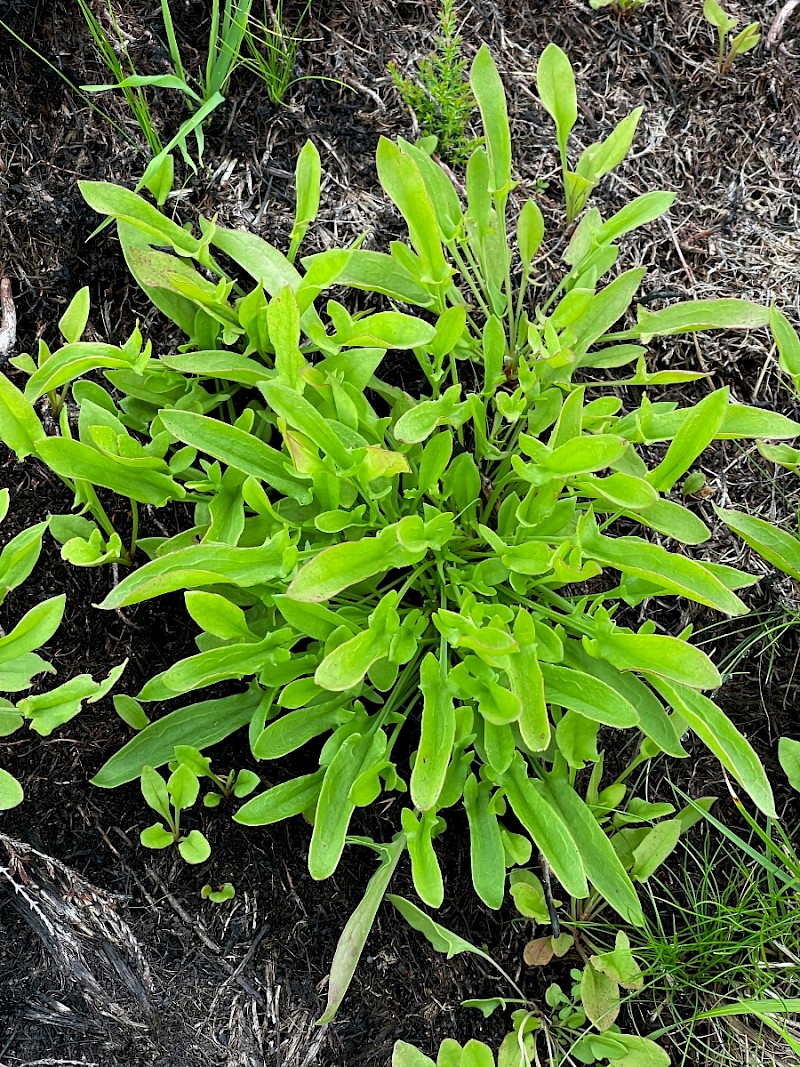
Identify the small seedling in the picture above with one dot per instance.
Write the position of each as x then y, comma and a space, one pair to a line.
169, 799
238, 784
218, 896
729, 47
441, 96
622, 7
20, 662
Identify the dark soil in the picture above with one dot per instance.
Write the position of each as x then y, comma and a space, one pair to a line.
107, 954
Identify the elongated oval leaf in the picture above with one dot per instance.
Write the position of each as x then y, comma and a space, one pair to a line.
437, 734
555, 84
199, 725
35, 628
665, 570
668, 657
718, 733
601, 863
778, 547
400, 177
546, 827
692, 315
281, 801
131, 478
491, 97
587, 695
487, 856
11, 793
357, 929
20, 428
236, 448
340, 566
197, 566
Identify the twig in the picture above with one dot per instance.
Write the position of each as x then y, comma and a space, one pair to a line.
779, 22
8, 319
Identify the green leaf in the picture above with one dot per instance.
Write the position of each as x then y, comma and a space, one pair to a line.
638, 212
599, 997
47, 711
16, 674
401, 179
530, 232
437, 734
282, 801
419, 422
355, 755
308, 173
692, 315
194, 848
719, 734
404, 1055
442, 939
154, 791
668, 657
665, 570
72, 361
234, 661
34, 628
183, 787
555, 84
606, 308
311, 620
236, 448
19, 557
716, 15
226, 365
657, 844
526, 682
11, 793
283, 318
789, 756
336, 568
788, 344
303, 416
488, 89
132, 478
130, 711
425, 870
20, 428
378, 272
487, 856
218, 896
219, 616
619, 964
602, 865
589, 696
246, 782
694, 436
546, 827
200, 565
357, 929
600, 158
200, 725
156, 836
107, 198
73, 322
386, 329
778, 547
292, 731
640, 1052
